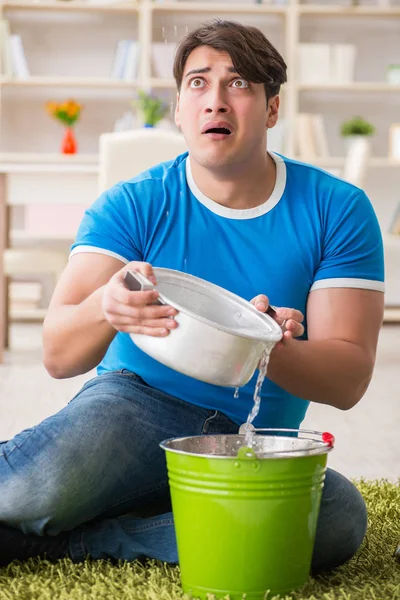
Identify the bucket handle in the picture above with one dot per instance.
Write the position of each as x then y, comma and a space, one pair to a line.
328, 439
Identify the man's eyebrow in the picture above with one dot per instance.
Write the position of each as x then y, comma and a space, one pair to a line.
207, 70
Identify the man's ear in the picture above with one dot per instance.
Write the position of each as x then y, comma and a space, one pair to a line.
177, 120
272, 111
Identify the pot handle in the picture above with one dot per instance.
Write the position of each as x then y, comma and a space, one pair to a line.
136, 282
271, 311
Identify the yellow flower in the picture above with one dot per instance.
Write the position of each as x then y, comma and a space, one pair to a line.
51, 108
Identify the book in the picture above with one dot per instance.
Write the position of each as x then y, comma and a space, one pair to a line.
394, 228
162, 55
304, 138
120, 58
18, 58
310, 136
343, 60
319, 134
6, 66
126, 60
314, 63
131, 62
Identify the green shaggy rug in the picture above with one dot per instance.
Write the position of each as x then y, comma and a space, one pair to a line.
372, 575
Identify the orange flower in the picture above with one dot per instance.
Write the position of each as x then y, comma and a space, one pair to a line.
67, 112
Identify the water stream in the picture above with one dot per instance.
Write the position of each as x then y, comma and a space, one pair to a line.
249, 433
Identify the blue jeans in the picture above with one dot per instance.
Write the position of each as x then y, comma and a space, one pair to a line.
95, 469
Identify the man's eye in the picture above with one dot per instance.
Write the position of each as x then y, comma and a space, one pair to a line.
240, 83
196, 83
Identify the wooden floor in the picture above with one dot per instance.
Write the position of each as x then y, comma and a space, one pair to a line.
367, 437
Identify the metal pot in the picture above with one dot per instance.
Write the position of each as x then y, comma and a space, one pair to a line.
221, 337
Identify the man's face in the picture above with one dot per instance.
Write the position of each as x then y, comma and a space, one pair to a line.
222, 116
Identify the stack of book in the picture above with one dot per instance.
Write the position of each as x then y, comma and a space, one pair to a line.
310, 137
12, 56
326, 63
126, 60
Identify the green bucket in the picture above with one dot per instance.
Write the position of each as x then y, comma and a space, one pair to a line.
246, 518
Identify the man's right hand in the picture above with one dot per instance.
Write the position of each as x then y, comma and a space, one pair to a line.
134, 312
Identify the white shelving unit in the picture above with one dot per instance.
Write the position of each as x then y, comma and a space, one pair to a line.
283, 24
70, 48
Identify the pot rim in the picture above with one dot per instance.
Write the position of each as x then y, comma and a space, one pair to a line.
275, 333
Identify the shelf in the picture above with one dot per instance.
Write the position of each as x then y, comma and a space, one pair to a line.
161, 83
41, 163
48, 158
27, 314
156, 82
56, 168
356, 86
218, 7
72, 6
338, 161
349, 11
80, 163
391, 315
87, 82
19, 237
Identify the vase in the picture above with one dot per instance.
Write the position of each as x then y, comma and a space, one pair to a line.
354, 140
69, 144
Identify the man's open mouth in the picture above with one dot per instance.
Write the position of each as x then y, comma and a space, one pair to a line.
222, 130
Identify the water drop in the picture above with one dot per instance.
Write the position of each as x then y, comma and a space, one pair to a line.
236, 394
167, 213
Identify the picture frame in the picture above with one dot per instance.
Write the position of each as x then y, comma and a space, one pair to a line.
394, 141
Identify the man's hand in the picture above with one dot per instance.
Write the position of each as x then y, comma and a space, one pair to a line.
290, 316
134, 312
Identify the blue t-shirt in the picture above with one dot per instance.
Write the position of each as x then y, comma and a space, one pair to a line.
314, 231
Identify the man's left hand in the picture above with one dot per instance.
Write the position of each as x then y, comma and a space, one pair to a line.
293, 318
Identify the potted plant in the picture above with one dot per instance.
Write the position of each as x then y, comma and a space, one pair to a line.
67, 113
151, 108
357, 126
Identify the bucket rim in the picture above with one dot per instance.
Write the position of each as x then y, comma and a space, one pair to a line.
324, 443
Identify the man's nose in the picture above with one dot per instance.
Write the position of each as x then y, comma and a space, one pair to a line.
216, 102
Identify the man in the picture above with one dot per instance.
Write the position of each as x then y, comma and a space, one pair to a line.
254, 223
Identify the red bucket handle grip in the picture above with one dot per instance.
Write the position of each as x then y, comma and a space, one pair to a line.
328, 438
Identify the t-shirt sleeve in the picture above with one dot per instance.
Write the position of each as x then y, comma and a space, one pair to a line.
352, 251
110, 226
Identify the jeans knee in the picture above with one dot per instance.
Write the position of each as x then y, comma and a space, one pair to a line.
342, 525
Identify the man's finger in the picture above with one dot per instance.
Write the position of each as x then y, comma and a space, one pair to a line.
144, 268
153, 331
261, 302
294, 327
290, 313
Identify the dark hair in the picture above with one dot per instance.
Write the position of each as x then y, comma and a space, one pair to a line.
253, 56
